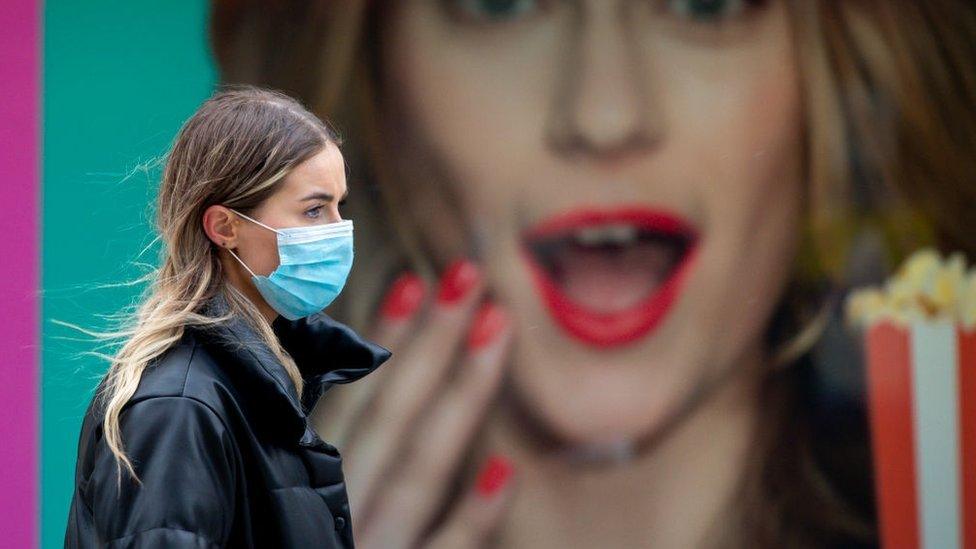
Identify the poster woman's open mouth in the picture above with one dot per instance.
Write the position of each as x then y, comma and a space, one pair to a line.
608, 277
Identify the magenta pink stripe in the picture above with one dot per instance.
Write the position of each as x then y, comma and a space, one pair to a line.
19, 190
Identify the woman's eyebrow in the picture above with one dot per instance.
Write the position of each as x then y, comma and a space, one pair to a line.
318, 195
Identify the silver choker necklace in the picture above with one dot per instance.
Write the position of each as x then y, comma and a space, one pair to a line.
612, 452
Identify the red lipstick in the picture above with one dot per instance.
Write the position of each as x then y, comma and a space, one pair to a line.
609, 277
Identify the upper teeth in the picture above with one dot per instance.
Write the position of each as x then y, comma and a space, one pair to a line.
606, 234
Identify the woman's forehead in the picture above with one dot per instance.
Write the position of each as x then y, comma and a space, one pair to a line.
324, 172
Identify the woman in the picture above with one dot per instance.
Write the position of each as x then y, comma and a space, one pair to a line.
198, 435
658, 190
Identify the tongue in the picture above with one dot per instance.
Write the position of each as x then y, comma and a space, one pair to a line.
611, 278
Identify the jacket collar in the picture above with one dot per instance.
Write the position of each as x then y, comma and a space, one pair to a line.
326, 352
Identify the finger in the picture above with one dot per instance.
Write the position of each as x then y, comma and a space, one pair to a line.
412, 381
413, 497
481, 510
335, 417
402, 301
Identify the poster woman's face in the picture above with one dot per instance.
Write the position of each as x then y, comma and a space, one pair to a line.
634, 170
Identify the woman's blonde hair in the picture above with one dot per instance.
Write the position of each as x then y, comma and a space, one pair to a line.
235, 150
889, 90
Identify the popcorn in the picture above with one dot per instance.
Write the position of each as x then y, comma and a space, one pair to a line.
925, 287
920, 370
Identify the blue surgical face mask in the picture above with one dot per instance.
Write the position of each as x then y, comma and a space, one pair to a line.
314, 263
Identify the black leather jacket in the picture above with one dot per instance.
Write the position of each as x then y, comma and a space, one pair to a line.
222, 446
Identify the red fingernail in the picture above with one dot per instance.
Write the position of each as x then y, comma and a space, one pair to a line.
404, 298
487, 324
494, 475
459, 278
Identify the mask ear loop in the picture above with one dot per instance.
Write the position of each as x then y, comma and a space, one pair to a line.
255, 221
241, 262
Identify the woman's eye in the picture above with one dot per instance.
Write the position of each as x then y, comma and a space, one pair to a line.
495, 10
707, 10
314, 212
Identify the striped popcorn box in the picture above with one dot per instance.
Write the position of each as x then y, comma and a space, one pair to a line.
922, 408
920, 345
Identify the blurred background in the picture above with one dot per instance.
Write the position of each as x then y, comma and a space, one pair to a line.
747, 163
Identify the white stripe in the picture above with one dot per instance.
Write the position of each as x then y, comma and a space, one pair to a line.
936, 407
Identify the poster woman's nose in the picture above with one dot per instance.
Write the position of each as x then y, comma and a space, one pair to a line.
602, 105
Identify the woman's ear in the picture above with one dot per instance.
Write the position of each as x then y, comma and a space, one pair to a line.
220, 224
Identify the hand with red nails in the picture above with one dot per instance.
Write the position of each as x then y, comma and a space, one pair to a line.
404, 431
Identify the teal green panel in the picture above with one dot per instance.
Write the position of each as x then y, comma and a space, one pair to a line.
119, 79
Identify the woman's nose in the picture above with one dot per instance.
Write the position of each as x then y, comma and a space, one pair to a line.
334, 215
601, 106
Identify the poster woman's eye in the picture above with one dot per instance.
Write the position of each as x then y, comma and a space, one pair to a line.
705, 11
494, 10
